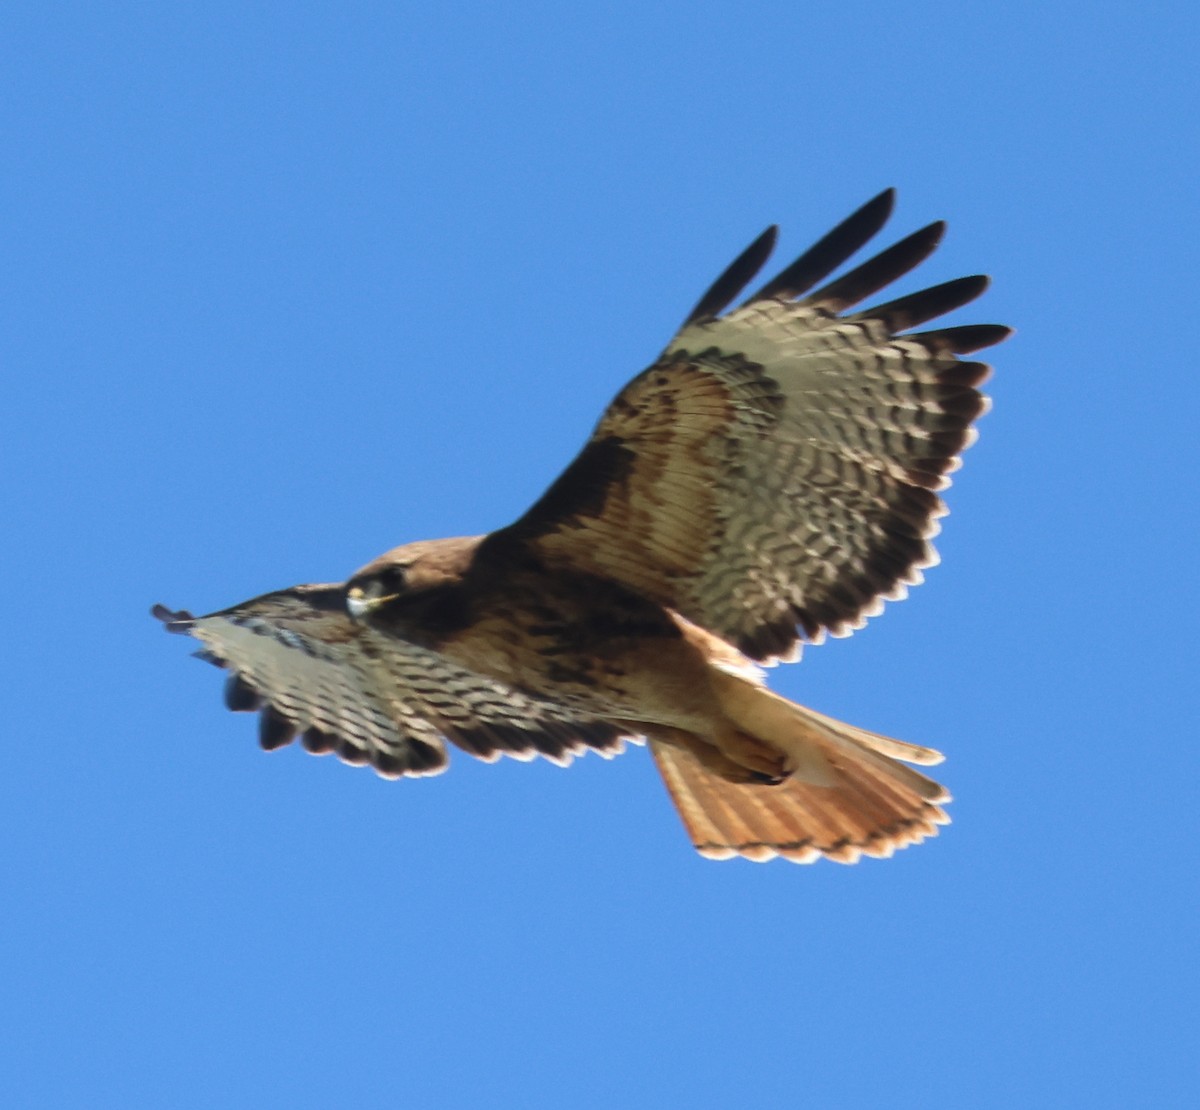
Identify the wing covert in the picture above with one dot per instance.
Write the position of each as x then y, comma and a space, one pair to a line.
774, 475
312, 672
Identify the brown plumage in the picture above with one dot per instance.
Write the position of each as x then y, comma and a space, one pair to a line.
772, 477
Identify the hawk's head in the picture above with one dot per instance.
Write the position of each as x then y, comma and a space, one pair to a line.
415, 568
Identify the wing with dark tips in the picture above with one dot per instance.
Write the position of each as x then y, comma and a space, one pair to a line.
774, 476
310, 671
830, 251
739, 273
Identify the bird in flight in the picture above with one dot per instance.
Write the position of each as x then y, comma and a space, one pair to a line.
772, 477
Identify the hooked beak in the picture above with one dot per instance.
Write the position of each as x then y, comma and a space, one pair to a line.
358, 605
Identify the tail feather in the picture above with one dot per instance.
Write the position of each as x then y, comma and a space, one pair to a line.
871, 805
885, 745
809, 737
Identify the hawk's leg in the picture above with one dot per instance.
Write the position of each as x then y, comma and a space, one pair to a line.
757, 764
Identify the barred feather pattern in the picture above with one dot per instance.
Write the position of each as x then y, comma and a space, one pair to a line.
343, 688
827, 514
782, 463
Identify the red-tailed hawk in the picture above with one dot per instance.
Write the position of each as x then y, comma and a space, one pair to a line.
770, 478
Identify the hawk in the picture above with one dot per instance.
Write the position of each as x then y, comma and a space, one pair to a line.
772, 478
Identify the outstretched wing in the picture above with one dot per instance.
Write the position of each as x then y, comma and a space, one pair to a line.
772, 476
312, 672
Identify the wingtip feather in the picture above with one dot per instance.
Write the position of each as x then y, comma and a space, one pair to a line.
734, 278
174, 620
830, 251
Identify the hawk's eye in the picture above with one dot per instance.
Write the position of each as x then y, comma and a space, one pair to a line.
388, 582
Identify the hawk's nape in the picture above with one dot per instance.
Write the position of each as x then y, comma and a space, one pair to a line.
773, 477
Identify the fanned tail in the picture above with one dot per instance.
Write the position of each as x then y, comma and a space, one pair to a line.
866, 803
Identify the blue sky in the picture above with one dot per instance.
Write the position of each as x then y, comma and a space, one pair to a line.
285, 285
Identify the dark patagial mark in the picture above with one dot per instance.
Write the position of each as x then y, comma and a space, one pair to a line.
580, 490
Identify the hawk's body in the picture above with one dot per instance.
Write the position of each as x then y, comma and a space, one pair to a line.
768, 479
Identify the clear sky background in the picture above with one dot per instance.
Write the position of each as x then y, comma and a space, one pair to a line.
286, 285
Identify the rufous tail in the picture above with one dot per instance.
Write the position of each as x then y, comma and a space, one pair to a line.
851, 797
